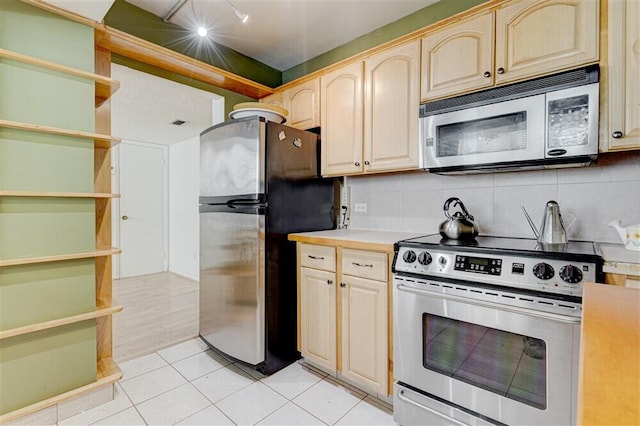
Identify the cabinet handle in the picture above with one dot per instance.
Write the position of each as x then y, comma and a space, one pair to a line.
125, 217
343, 285
366, 163
357, 164
315, 257
363, 265
486, 74
500, 70
329, 282
617, 134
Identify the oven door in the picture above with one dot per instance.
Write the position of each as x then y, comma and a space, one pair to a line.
488, 360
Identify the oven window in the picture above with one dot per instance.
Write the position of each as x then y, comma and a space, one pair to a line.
492, 134
508, 364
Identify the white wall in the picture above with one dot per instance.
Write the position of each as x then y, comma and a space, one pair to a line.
183, 207
598, 194
184, 186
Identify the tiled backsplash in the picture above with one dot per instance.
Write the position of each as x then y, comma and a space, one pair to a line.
597, 194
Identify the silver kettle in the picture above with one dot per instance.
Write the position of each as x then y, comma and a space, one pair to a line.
552, 229
458, 226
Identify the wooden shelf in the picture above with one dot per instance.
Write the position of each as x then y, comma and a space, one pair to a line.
100, 141
31, 328
58, 194
105, 86
108, 373
58, 257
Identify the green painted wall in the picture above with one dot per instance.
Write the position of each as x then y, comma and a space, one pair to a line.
39, 365
140, 23
38, 292
36, 366
420, 19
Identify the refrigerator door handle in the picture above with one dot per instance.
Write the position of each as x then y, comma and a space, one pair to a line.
245, 203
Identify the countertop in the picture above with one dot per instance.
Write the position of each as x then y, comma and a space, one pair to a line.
364, 239
618, 260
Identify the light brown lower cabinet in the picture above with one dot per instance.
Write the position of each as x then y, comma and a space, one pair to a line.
609, 381
344, 313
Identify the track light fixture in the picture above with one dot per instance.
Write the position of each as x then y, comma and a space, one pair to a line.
242, 16
201, 30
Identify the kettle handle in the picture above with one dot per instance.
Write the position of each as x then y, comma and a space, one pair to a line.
572, 221
456, 202
447, 204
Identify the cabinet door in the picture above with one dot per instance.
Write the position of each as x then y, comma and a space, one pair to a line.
364, 333
341, 107
318, 317
624, 69
274, 99
535, 37
392, 103
458, 59
303, 103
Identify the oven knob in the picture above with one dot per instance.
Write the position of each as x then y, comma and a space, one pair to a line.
442, 260
424, 258
543, 271
571, 274
409, 256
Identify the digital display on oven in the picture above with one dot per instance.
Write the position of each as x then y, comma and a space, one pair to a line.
479, 265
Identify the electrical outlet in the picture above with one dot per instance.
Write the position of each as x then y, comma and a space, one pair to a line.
360, 207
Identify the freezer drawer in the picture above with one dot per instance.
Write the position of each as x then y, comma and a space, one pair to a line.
232, 284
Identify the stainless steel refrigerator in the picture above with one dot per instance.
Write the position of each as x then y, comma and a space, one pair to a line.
259, 181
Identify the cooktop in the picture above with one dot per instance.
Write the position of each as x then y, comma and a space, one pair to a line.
585, 250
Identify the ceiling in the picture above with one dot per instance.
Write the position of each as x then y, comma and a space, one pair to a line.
284, 33
144, 107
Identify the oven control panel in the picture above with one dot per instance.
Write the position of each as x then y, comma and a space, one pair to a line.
547, 275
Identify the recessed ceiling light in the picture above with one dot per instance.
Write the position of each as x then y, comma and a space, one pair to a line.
202, 31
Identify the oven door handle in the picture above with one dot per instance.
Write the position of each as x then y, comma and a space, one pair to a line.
449, 419
516, 309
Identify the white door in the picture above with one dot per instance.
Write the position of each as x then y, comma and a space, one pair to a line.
142, 218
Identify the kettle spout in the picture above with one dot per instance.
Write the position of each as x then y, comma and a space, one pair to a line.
531, 224
617, 225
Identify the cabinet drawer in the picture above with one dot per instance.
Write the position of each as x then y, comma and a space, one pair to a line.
365, 264
318, 257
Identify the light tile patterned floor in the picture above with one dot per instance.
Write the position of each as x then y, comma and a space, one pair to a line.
188, 384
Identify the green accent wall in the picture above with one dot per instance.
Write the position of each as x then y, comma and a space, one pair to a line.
31, 161
43, 292
36, 366
140, 23
417, 20
40, 226
39, 365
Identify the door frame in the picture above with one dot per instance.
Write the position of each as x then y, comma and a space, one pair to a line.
115, 206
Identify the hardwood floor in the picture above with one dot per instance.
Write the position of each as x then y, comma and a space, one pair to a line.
160, 310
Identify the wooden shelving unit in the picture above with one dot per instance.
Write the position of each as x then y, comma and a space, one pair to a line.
100, 252
100, 141
105, 86
32, 328
108, 371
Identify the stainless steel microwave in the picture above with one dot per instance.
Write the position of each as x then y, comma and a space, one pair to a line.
549, 122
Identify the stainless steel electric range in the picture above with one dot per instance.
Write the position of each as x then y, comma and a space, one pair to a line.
487, 331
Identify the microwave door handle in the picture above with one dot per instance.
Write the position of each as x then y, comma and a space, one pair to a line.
516, 309
449, 420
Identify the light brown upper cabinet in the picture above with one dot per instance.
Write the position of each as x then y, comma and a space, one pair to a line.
369, 113
623, 81
303, 103
458, 59
521, 40
275, 98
